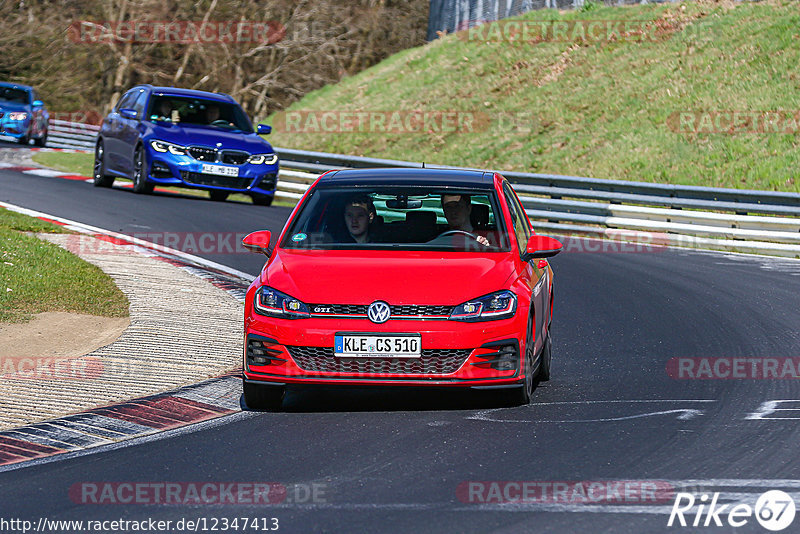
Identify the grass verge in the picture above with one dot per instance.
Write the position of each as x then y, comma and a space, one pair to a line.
37, 276
604, 108
71, 162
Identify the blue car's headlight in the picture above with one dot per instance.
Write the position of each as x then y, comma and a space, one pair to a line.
163, 146
17, 116
276, 304
266, 159
499, 305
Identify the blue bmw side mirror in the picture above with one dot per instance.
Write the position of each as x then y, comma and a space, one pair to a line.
38, 104
263, 129
128, 113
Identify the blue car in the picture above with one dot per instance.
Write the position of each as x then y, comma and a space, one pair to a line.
22, 114
180, 137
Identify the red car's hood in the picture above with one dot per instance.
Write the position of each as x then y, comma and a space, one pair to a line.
362, 277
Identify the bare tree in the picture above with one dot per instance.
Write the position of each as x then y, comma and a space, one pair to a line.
76, 55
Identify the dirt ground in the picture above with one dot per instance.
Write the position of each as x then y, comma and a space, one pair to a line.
59, 334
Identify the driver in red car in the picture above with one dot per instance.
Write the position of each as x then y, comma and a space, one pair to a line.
457, 211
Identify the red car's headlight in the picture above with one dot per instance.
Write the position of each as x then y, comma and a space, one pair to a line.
273, 303
498, 305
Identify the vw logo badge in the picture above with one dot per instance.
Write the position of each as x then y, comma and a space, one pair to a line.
379, 312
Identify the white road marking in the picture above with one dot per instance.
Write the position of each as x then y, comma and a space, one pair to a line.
685, 413
771, 407
45, 172
619, 401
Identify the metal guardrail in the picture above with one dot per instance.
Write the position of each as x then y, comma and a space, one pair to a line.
762, 222
74, 135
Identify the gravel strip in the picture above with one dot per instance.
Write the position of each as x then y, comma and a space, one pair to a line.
183, 330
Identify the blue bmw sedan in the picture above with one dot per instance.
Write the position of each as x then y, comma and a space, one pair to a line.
23, 115
186, 138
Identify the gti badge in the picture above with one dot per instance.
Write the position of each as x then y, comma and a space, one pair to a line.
378, 312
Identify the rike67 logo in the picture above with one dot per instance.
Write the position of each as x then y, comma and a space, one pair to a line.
774, 510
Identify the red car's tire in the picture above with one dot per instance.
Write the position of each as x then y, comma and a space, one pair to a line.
545, 360
521, 395
263, 396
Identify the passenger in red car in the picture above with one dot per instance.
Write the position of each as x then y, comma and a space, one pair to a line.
359, 214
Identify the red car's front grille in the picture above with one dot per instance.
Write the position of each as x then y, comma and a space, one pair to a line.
361, 310
338, 309
421, 310
433, 361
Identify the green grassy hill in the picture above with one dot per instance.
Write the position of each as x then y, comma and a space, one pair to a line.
605, 108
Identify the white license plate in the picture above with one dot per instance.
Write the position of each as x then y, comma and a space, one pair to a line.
370, 346
220, 170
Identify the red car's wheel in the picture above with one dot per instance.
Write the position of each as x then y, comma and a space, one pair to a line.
522, 395
544, 360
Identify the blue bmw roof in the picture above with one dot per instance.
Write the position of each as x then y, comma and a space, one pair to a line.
177, 91
16, 85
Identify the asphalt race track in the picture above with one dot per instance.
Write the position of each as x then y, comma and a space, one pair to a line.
400, 460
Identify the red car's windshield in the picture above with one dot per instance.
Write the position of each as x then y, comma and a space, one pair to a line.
418, 218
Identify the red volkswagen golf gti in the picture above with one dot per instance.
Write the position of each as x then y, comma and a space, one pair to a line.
401, 277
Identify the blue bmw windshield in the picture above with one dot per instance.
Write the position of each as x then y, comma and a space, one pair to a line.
198, 111
13, 94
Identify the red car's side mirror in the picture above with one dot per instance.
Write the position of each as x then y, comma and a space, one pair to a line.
257, 241
541, 246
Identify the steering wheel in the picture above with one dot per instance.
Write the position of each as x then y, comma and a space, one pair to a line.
480, 239
454, 232
220, 122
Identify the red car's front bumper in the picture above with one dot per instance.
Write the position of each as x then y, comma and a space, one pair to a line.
481, 354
